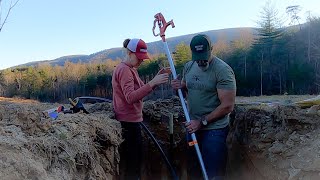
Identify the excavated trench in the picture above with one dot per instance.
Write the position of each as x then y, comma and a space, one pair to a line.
273, 139
267, 140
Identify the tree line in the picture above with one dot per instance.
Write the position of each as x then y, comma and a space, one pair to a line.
274, 60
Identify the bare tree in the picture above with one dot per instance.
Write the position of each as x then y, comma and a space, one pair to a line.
5, 13
2, 84
293, 11
314, 49
221, 47
266, 42
244, 43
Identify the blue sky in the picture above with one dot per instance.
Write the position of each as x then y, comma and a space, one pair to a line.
44, 30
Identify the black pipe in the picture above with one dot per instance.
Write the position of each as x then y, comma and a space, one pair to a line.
171, 148
173, 173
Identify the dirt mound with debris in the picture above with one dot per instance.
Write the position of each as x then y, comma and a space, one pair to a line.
73, 146
275, 140
270, 138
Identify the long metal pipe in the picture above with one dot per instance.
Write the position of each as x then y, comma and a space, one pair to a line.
186, 113
163, 26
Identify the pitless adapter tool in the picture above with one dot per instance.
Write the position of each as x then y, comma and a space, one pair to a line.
163, 24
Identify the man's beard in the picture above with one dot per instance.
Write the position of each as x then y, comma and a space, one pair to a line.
203, 65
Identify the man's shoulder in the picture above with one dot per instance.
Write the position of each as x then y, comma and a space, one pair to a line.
188, 63
188, 66
220, 64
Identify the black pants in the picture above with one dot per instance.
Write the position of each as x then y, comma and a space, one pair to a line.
130, 151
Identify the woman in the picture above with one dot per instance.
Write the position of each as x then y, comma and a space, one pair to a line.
128, 92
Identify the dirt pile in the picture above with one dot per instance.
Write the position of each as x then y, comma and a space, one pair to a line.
275, 140
161, 108
73, 146
270, 138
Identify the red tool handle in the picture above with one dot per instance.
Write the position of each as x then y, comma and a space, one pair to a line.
162, 25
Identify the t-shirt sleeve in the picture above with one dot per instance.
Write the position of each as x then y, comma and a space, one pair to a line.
226, 78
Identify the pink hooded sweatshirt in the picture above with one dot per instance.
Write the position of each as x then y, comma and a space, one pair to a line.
128, 92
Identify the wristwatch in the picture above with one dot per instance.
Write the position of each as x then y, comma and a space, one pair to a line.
204, 120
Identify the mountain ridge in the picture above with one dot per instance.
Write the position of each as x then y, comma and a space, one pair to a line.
155, 47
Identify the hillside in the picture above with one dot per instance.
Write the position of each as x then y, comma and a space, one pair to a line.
156, 47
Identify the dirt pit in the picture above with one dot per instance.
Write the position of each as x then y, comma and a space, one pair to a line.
270, 138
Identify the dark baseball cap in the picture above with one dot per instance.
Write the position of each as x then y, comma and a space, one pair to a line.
200, 47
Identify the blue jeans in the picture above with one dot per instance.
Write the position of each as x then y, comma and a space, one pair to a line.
213, 147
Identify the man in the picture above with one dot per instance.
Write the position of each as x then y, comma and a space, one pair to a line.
211, 89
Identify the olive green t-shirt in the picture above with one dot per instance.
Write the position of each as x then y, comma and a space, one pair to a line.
202, 89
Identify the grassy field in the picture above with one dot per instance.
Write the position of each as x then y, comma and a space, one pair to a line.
282, 99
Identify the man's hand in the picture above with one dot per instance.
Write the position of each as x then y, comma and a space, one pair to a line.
176, 84
179, 84
192, 126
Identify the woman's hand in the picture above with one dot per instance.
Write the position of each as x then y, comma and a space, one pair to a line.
165, 70
159, 79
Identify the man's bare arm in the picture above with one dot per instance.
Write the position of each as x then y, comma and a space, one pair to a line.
227, 99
